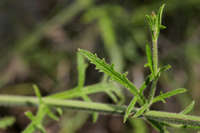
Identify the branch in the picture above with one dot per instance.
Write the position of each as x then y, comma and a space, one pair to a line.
173, 118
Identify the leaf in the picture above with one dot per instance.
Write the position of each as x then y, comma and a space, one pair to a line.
189, 108
60, 111
160, 12
149, 58
130, 108
95, 117
159, 126
7, 121
163, 69
145, 84
52, 115
119, 94
37, 92
77, 93
155, 22
141, 110
81, 70
169, 94
149, 20
81, 80
43, 110
41, 128
112, 96
30, 115
109, 70
95, 114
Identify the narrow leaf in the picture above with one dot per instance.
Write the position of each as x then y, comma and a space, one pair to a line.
52, 115
37, 92
145, 84
109, 70
81, 70
163, 69
160, 12
159, 126
189, 108
95, 114
149, 58
130, 108
112, 96
7, 121
169, 94
30, 115
141, 110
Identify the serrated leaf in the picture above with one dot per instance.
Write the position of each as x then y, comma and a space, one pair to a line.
169, 94
130, 108
189, 108
109, 70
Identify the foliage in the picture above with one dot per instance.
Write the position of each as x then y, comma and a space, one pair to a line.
159, 120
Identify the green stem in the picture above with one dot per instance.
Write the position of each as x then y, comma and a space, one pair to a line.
153, 89
173, 118
155, 55
91, 89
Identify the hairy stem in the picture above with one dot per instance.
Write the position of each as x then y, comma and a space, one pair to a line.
155, 55
173, 118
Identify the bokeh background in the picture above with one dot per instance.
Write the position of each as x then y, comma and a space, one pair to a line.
39, 40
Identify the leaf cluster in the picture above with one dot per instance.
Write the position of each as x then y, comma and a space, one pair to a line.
155, 24
80, 91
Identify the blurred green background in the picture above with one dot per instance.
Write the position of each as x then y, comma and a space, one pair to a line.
39, 40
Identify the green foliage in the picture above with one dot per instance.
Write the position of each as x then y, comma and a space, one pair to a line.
81, 80
189, 108
149, 58
159, 120
43, 110
79, 91
169, 94
155, 24
130, 108
102, 66
7, 121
